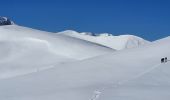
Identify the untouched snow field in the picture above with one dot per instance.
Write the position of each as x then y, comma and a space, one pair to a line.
37, 65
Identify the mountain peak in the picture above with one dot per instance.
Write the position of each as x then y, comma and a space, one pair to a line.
5, 21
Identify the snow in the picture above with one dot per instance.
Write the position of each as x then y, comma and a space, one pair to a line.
37, 65
24, 48
116, 42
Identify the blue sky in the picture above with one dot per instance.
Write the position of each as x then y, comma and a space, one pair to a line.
149, 19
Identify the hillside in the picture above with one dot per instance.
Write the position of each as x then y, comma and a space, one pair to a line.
109, 76
38, 65
116, 42
26, 49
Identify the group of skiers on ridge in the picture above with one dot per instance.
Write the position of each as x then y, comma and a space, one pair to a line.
164, 60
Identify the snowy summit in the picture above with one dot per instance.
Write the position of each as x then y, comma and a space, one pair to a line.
5, 21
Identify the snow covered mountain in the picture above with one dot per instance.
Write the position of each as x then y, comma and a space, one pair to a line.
38, 65
24, 49
5, 21
116, 42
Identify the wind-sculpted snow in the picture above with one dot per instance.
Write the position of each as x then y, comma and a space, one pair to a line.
43, 70
26, 49
116, 42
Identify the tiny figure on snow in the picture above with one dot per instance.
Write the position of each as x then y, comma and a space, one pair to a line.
164, 60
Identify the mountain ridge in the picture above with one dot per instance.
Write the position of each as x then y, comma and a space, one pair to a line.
116, 42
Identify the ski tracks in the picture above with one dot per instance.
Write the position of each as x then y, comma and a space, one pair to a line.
97, 93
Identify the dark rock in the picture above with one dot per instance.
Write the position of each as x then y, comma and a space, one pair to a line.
5, 21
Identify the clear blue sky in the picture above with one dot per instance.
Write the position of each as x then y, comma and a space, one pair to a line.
149, 19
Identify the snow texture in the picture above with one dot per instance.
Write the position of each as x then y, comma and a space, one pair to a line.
38, 65
116, 42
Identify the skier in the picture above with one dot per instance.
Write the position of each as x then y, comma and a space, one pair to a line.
162, 60
166, 59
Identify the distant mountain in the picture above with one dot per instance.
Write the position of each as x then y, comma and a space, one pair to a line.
5, 21
106, 39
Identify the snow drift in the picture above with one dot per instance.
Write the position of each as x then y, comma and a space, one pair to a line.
26, 49
116, 42
38, 65
105, 74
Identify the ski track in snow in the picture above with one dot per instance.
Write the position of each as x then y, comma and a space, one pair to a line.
97, 93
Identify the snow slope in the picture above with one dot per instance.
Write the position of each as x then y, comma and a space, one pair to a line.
25, 49
112, 76
116, 42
